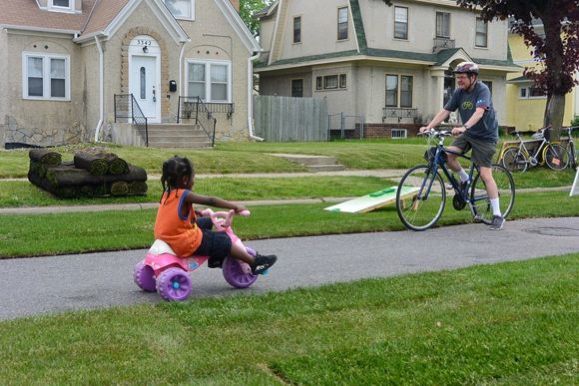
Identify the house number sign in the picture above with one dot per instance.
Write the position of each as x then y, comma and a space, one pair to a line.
143, 42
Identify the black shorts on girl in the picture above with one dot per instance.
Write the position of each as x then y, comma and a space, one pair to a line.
216, 245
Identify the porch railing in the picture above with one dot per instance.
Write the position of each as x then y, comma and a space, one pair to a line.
399, 113
193, 108
127, 107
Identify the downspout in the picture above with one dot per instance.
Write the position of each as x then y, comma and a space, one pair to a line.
101, 89
181, 68
250, 96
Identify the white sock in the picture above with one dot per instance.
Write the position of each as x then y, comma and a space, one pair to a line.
496, 207
463, 175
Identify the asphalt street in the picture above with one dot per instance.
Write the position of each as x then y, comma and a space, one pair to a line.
53, 284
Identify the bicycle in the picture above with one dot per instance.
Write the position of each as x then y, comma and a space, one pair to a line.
421, 193
571, 150
519, 158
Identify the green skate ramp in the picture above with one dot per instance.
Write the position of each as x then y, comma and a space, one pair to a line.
372, 201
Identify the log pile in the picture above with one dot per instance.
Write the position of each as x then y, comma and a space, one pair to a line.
91, 174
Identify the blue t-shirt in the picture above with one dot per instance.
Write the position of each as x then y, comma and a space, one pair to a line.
487, 128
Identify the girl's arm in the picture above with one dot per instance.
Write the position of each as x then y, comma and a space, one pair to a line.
214, 201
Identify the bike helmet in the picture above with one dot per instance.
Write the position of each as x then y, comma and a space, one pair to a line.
466, 68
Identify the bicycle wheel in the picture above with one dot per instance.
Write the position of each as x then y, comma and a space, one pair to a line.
480, 199
420, 198
514, 161
555, 156
572, 156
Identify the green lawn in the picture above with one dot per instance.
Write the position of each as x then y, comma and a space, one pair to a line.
23, 193
511, 323
114, 230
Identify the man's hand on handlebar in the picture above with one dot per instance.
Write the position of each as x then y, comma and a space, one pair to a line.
456, 131
424, 129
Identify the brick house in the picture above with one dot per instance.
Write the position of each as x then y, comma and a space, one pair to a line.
83, 70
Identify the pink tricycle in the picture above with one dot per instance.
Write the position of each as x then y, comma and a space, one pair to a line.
164, 272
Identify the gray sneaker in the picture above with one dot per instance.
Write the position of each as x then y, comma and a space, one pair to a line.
497, 223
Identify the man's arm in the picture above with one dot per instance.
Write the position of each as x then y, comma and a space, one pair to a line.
475, 117
438, 118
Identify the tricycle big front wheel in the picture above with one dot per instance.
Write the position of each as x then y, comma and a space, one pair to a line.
237, 273
420, 198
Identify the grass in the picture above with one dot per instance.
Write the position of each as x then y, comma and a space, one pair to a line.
115, 230
22, 193
511, 323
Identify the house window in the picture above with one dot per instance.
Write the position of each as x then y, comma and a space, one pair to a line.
489, 84
297, 88
392, 90
62, 3
210, 81
401, 22
398, 133
531, 93
298, 29
343, 81
181, 9
443, 25
399, 88
481, 33
331, 81
405, 91
343, 23
319, 83
46, 76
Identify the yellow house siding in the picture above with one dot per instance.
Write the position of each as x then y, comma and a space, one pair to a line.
528, 114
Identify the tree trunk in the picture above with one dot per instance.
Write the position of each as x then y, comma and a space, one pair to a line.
556, 111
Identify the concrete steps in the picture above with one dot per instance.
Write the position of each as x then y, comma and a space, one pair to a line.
171, 135
314, 163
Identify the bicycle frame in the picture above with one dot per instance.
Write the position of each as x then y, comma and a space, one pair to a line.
439, 162
532, 159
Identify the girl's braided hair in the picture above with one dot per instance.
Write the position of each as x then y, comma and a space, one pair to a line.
174, 169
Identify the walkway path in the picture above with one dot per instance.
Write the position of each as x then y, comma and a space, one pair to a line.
101, 280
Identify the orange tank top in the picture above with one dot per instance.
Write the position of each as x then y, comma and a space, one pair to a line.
181, 233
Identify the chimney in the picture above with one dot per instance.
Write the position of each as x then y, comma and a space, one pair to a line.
235, 4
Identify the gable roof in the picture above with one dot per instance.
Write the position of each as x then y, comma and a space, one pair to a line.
26, 14
109, 15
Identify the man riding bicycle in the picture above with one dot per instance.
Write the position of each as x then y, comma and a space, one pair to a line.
479, 131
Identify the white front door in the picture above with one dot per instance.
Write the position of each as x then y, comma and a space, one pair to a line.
144, 86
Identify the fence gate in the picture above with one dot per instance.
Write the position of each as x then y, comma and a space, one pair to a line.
342, 125
282, 119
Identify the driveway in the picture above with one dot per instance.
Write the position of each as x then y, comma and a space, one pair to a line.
52, 284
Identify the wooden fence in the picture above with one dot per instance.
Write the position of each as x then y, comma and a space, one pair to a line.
283, 119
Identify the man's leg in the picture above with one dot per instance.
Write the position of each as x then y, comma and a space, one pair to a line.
486, 174
454, 165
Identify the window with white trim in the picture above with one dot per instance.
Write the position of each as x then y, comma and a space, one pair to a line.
399, 90
531, 92
398, 133
481, 34
182, 9
61, 5
46, 76
443, 25
401, 22
343, 23
211, 81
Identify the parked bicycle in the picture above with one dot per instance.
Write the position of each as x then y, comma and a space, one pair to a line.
518, 158
421, 194
571, 149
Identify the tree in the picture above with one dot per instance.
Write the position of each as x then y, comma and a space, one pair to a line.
248, 8
557, 49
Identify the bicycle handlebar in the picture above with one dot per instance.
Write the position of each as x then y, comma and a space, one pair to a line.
436, 133
222, 219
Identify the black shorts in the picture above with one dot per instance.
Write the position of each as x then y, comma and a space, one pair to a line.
482, 151
216, 245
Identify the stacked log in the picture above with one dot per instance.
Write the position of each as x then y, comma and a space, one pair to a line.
91, 174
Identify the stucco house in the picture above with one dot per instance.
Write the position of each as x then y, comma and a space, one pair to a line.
391, 65
526, 103
68, 69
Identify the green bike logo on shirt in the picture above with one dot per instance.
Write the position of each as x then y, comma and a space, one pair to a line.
467, 105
